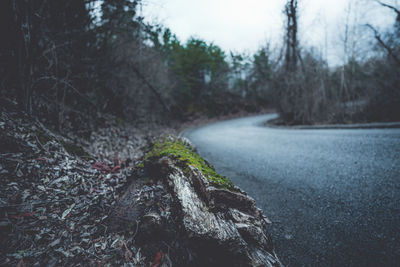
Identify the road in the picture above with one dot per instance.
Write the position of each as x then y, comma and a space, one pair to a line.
333, 195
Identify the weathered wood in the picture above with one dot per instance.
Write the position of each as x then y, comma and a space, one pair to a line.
206, 226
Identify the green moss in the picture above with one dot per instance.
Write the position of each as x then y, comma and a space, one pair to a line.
167, 147
140, 165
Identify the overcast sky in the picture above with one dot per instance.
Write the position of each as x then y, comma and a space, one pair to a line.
241, 26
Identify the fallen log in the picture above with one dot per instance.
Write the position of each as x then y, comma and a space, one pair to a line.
186, 214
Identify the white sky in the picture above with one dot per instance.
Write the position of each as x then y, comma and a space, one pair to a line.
245, 26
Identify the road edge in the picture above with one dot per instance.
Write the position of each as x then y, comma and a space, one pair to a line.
372, 125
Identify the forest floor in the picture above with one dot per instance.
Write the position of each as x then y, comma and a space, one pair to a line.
58, 191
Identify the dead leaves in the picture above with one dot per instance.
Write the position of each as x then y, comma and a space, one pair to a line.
54, 206
67, 211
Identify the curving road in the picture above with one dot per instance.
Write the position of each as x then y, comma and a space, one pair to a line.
333, 195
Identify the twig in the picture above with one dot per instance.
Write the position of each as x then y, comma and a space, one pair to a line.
151, 87
91, 253
137, 227
391, 7
63, 154
67, 84
83, 170
40, 144
16, 168
7, 156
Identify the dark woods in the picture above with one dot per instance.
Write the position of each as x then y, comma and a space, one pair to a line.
66, 57
73, 55
47, 50
60, 58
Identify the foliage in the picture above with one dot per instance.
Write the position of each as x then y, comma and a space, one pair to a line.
62, 59
79, 57
200, 68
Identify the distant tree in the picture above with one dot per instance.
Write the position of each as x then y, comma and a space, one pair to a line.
292, 45
239, 73
200, 68
119, 21
391, 43
262, 65
287, 90
262, 76
384, 79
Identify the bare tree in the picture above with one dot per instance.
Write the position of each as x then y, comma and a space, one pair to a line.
383, 43
292, 51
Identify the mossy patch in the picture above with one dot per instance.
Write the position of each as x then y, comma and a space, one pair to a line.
140, 165
176, 148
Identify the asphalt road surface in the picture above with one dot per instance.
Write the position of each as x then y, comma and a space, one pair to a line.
333, 195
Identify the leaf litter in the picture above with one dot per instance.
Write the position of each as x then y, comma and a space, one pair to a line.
54, 205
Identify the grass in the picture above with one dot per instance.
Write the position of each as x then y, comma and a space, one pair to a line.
180, 151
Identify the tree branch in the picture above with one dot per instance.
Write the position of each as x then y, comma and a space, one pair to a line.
392, 8
68, 85
154, 90
382, 43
